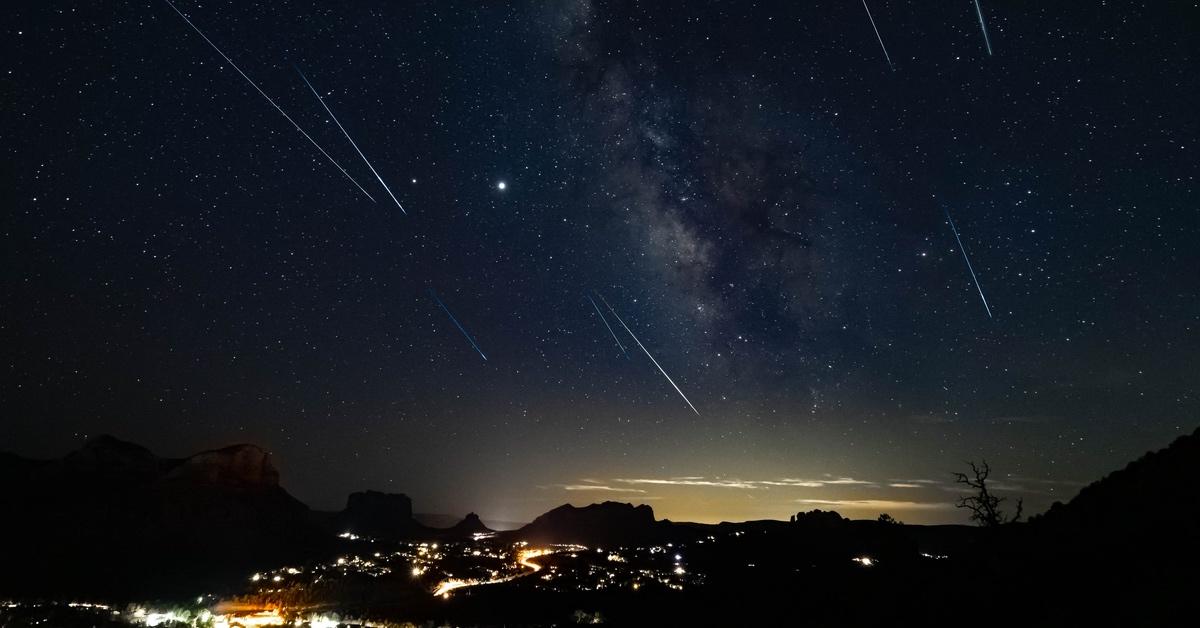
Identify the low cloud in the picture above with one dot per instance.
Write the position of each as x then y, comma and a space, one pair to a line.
789, 482
632, 485
691, 481
828, 480
882, 504
600, 488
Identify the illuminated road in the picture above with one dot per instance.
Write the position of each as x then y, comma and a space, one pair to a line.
524, 558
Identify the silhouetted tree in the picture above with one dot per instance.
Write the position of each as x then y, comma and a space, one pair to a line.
886, 518
984, 507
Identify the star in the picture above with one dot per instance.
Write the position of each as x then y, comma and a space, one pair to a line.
501, 186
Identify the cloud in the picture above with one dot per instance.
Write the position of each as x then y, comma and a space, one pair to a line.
884, 504
599, 488
840, 481
715, 483
914, 483
828, 480
791, 482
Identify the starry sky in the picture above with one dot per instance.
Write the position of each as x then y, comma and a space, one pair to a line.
758, 194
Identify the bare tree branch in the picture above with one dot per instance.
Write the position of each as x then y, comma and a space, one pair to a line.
985, 507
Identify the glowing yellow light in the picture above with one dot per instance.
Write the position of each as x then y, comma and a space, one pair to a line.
446, 586
524, 556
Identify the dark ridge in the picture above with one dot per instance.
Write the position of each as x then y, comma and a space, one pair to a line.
468, 527
1153, 498
605, 523
379, 515
114, 519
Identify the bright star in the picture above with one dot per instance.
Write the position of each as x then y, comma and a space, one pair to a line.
501, 186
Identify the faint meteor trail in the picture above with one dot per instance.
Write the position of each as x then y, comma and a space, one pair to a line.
879, 37
458, 325
968, 261
264, 95
610, 329
352, 142
983, 26
639, 343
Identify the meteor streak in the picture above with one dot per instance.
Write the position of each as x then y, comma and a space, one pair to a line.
264, 95
968, 261
639, 343
457, 324
877, 36
610, 329
983, 26
352, 143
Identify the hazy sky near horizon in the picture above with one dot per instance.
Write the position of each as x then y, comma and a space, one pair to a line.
696, 256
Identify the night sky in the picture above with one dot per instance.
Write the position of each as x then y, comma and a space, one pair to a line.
757, 194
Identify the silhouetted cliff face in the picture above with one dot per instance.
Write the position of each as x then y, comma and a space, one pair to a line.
239, 467
113, 517
380, 515
610, 523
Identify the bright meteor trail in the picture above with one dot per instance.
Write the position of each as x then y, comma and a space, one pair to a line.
610, 329
983, 26
968, 261
352, 143
879, 37
639, 343
458, 325
264, 95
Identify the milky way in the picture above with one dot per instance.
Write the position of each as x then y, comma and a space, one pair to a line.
759, 197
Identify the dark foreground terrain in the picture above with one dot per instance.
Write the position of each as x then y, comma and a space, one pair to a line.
113, 535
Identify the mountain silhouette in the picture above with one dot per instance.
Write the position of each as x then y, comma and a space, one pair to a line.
113, 517
1121, 552
468, 527
607, 523
1156, 497
379, 515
